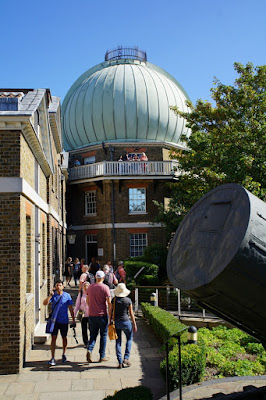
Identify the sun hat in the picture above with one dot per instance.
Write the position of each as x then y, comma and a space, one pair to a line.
99, 274
121, 290
120, 262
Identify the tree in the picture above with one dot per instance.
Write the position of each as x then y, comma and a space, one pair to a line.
227, 143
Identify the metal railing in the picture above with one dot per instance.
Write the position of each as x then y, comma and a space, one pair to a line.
126, 52
170, 299
123, 168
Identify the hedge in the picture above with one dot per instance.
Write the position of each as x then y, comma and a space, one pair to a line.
193, 363
163, 323
134, 393
132, 267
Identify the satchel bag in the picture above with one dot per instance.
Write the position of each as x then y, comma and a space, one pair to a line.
51, 322
111, 328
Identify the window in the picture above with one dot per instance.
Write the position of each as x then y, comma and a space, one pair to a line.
138, 242
137, 200
90, 203
89, 160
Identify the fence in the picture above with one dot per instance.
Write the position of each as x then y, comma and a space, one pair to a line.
169, 298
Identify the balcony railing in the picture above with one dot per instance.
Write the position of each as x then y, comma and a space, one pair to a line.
123, 168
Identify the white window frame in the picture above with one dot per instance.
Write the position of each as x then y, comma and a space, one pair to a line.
90, 203
137, 248
130, 197
89, 160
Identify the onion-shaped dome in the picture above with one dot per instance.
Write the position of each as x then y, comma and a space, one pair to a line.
126, 100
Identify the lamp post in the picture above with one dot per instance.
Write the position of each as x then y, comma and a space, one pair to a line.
192, 339
71, 236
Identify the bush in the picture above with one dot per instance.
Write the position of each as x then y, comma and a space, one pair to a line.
163, 323
135, 393
132, 267
255, 348
241, 368
193, 363
148, 280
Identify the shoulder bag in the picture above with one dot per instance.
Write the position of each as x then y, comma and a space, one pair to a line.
111, 328
51, 321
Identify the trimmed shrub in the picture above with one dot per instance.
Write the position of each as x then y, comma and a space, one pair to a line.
163, 323
193, 363
241, 368
135, 393
148, 280
132, 267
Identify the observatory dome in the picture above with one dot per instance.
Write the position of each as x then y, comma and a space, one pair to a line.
124, 99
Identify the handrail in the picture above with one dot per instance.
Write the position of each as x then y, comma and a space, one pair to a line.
123, 168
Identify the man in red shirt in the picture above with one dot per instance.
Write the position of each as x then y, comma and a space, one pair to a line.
98, 298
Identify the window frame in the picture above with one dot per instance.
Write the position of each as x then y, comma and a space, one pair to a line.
93, 203
136, 252
130, 198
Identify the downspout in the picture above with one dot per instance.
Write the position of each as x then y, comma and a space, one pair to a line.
111, 150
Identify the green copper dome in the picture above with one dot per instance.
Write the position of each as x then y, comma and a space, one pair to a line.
125, 100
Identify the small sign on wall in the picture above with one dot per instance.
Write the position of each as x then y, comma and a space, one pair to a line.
100, 252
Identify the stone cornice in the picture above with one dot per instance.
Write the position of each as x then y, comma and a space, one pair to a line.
23, 124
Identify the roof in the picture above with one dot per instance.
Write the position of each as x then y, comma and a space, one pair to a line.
123, 100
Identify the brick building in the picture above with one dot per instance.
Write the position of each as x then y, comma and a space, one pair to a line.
119, 107
32, 228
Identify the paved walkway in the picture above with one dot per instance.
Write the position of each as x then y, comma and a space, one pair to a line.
77, 379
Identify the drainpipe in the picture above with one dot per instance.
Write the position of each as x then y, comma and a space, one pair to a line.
111, 150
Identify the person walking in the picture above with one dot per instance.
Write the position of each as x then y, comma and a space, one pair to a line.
63, 300
119, 312
68, 270
76, 270
120, 273
109, 279
98, 298
82, 308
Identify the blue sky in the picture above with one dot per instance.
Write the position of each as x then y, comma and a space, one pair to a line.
49, 44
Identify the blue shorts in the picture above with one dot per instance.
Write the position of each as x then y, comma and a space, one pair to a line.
63, 328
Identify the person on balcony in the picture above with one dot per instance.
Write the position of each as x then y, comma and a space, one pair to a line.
77, 163
143, 157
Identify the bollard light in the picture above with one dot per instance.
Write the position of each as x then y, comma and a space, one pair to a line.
192, 335
153, 299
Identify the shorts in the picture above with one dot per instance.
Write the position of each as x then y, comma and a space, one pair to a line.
63, 328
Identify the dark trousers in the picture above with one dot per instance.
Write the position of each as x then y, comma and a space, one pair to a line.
84, 328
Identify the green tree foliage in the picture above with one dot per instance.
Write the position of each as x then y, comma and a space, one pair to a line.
227, 143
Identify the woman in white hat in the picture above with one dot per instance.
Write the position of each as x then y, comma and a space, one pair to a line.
122, 306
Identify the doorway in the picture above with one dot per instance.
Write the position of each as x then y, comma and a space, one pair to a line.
91, 247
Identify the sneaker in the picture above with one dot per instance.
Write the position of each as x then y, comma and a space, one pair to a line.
52, 362
120, 366
126, 363
64, 359
104, 359
89, 357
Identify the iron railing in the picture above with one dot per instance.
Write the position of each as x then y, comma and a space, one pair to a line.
170, 299
123, 168
126, 52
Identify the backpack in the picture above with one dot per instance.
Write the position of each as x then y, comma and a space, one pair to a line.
90, 278
108, 280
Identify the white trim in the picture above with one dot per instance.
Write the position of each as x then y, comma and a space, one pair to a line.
21, 186
126, 225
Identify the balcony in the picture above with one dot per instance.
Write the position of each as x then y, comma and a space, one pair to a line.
124, 170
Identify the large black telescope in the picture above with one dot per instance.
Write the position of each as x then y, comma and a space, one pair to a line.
218, 256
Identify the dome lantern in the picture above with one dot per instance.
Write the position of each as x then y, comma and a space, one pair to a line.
133, 53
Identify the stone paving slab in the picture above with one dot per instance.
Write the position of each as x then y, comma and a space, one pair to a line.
77, 379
